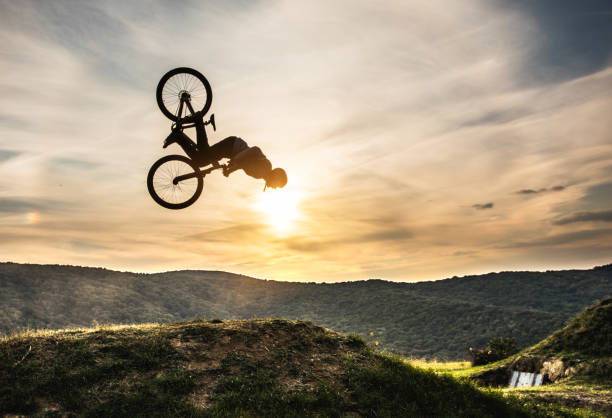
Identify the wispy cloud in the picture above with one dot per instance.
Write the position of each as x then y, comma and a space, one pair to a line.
8, 154
20, 205
561, 239
481, 206
542, 190
599, 216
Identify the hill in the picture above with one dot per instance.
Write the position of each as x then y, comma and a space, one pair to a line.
228, 368
588, 335
428, 319
576, 359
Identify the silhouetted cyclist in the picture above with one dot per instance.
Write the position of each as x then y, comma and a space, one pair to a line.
250, 159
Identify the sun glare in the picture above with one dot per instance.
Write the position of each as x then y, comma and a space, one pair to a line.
280, 208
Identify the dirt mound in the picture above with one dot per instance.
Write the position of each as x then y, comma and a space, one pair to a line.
225, 368
299, 354
121, 363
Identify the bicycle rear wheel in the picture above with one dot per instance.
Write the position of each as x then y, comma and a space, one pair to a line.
174, 84
164, 187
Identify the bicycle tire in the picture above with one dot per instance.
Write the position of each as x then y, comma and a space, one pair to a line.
174, 82
164, 182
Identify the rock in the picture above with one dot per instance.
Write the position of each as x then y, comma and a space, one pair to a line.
530, 364
554, 369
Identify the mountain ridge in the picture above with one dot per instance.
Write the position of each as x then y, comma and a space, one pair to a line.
426, 319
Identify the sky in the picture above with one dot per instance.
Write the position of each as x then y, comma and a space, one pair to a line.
422, 139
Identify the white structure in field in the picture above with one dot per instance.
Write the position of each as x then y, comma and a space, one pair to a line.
525, 379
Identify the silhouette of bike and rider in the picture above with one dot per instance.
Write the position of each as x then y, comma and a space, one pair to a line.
176, 181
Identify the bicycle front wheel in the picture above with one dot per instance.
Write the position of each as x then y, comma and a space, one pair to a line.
183, 82
174, 182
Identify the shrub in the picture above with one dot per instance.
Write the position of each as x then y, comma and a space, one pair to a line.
497, 349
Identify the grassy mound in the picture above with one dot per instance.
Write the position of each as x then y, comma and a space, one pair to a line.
588, 334
228, 368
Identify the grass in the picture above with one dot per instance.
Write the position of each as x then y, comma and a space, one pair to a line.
587, 335
234, 368
262, 395
439, 366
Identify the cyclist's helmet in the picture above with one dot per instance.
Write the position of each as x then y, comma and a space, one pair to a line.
276, 178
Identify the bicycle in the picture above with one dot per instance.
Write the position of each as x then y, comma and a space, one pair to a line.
175, 181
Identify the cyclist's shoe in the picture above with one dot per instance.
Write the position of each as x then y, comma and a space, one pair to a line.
170, 139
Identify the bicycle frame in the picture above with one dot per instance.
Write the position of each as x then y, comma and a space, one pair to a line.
202, 173
193, 151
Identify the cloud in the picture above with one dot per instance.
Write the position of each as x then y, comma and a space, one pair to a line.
395, 234
304, 244
599, 196
542, 190
464, 253
21, 205
497, 117
8, 154
561, 239
85, 246
599, 216
249, 232
72, 163
482, 206
530, 191
582, 30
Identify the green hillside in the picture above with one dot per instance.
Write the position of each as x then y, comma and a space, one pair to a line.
566, 291
229, 368
428, 319
587, 335
575, 361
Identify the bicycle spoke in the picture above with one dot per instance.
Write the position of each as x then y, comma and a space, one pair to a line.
177, 82
163, 182
187, 83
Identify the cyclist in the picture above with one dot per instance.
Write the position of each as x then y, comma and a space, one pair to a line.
250, 159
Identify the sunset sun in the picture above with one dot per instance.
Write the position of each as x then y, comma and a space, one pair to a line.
280, 208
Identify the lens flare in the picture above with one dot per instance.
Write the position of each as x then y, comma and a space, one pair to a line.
32, 218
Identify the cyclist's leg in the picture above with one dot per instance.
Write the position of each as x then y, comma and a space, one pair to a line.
239, 146
224, 148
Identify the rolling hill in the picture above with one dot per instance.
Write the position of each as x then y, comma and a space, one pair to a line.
427, 319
